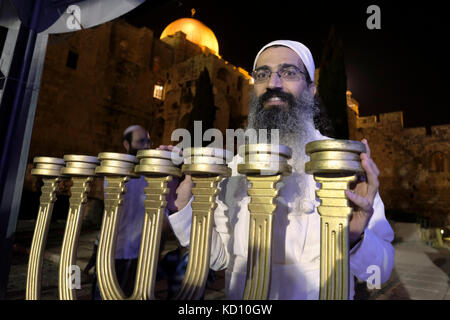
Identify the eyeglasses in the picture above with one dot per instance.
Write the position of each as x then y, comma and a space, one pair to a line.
288, 73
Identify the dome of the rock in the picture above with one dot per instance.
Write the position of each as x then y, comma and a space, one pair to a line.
195, 31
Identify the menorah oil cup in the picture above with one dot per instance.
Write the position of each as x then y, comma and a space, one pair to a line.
207, 166
118, 169
158, 167
81, 170
335, 164
264, 166
49, 169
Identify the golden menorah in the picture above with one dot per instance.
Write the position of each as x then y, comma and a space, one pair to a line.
334, 164
264, 166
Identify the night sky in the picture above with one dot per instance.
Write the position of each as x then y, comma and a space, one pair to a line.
404, 66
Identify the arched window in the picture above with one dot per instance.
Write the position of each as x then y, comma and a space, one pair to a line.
158, 91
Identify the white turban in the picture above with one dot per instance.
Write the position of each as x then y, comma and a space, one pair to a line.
299, 48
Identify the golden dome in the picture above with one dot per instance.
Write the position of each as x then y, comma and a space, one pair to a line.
195, 31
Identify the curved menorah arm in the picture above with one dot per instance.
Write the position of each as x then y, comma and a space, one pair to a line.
79, 191
155, 203
205, 191
34, 274
107, 279
262, 193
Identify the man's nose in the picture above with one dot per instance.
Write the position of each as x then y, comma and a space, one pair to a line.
275, 81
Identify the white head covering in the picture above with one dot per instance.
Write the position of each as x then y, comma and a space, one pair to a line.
299, 48
131, 129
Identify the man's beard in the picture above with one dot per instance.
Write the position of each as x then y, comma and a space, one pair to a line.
296, 129
133, 151
295, 125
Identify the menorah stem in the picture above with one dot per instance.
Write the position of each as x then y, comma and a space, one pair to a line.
47, 200
107, 279
205, 191
334, 164
79, 191
155, 205
334, 250
157, 168
262, 208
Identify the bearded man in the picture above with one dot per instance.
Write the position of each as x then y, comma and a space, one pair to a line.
283, 99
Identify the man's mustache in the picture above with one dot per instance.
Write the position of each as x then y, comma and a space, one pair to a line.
276, 94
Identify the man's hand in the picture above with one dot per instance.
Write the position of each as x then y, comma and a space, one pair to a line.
362, 196
180, 193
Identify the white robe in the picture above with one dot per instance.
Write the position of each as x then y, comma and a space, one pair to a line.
296, 239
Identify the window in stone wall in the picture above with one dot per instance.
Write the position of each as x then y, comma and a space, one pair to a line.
72, 60
158, 92
438, 162
239, 83
223, 74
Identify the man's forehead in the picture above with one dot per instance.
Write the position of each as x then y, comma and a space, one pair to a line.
277, 56
140, 132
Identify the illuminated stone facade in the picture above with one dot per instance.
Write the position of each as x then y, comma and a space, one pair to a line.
98, 81
414, 163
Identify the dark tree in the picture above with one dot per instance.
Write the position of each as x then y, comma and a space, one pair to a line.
332, 85
321, 119
203, 106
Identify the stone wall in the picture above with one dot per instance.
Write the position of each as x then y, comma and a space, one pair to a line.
414, 163
84, 108
98, 81
231, 87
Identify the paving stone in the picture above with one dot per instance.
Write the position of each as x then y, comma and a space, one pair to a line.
424, 294
447, 296
420, 272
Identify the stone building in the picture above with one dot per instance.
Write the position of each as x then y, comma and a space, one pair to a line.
231, 84
98, 81
414, 163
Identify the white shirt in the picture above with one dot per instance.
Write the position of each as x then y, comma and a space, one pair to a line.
131, 220
296, 239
